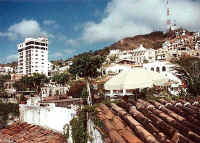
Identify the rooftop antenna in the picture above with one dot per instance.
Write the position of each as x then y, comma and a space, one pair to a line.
168, 17
175, 23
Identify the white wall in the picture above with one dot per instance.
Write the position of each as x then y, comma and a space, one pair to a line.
46, 91
169, 73
94, 133
50, 117
117, 68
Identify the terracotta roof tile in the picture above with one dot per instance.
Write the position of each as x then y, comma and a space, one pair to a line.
162, 121
25, 133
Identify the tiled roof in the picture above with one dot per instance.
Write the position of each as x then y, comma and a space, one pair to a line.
26, 133
150, 121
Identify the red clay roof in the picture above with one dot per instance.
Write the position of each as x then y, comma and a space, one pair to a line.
151, 121
26, 133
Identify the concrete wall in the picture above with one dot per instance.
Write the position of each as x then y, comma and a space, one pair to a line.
94, 133
47, 116
62, 90
8, 100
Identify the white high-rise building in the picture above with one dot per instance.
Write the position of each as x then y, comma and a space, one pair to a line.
33, 56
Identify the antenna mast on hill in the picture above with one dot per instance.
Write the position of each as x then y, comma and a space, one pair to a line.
168, 17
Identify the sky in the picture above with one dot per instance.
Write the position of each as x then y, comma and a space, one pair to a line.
76, 26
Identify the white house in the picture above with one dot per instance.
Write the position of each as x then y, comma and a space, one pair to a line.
8, 69
46, 114
181, 45
50, 66
65, 68
141, 54
53, 90
114, 52
168, 70
125, 54
163, 67
116, 68
138, 55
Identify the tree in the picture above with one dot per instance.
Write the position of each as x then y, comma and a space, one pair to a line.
61, 78
188, 70
87, 66
3, 79
34, 82
113, 58
38, 81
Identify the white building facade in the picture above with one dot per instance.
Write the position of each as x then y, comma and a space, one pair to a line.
33, 56
46, 115
141, 54
163, 67
138, 55
6, 70
114, 69
167, 69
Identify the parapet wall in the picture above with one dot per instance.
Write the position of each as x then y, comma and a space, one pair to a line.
47, 116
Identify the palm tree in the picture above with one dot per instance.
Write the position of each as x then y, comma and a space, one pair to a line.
188, 70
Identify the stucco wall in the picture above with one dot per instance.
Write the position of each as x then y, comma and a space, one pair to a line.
47, 116
94, 133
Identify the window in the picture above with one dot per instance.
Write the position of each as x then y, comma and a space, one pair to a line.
152, 69
29, 43
163, 68
157, 69
37, 43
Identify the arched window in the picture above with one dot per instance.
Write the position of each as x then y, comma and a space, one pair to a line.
152, 69
157, 69
163, 68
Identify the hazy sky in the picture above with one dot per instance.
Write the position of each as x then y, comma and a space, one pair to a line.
75, 26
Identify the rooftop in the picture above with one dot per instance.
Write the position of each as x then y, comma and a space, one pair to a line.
26, 133
151, 121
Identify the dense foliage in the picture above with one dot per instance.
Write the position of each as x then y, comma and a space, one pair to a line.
79, 128
61, 78
33, 82
86, 65
5, 110
3, 79
76, 88
189, 71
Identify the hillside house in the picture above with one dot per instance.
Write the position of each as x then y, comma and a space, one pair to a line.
141, 54
167, 69
183, 45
